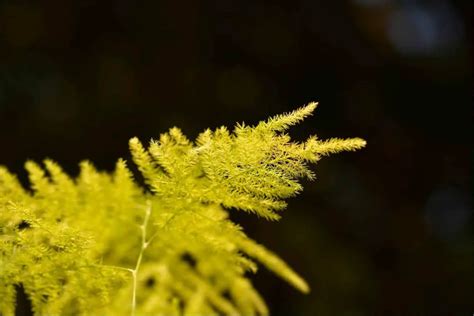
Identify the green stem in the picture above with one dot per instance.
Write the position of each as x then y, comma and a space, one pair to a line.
143, 246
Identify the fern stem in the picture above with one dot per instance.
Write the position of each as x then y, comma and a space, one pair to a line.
111, 267
143, 246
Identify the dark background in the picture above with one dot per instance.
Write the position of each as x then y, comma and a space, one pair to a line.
383, 231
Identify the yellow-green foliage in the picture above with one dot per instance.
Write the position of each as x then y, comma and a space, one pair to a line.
100, 244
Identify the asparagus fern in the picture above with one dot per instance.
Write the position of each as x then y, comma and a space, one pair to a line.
102, 244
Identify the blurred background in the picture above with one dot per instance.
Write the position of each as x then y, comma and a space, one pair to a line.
384, 231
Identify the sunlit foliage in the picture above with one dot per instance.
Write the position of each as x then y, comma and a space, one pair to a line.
101, 244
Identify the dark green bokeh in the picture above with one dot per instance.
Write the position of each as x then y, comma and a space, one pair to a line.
384, 231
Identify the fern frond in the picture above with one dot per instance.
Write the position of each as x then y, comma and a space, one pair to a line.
38, 179
282, 122
334, 145
58, 176
273, 263
247, 298
9, 184
145, 164
88, 244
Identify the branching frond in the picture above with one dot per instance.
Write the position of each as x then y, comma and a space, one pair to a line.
88, 245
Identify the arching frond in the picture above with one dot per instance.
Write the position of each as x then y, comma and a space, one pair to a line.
101, 244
